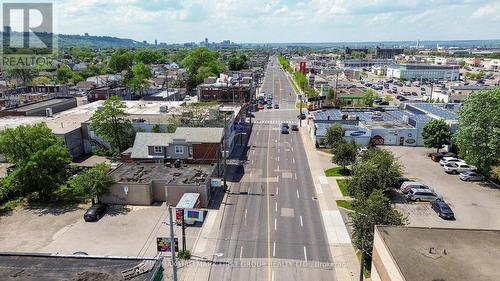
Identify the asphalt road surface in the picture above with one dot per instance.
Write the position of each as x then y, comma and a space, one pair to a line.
272, 227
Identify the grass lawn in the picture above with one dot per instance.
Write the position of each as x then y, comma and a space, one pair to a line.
344, 204
337, 172
343, 183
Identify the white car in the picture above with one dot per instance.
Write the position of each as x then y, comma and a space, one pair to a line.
457, 168
447, 160
187, 98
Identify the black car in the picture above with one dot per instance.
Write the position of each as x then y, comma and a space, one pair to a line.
377, 100
384, 103
285, 125
301, 116
95, 212
276, 106
443, 210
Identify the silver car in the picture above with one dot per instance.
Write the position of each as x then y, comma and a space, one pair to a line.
471, 176
419, 194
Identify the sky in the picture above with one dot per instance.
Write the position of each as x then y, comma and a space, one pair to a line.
280, 21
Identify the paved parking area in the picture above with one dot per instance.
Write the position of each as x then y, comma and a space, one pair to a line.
476, 205
123, 231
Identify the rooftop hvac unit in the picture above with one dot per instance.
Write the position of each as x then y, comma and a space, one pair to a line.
48, 112
163, 108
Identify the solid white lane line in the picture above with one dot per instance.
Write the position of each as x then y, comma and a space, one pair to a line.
276, 206
298, 194
275, 224
274, 249
241, 252
301, 223
305, 253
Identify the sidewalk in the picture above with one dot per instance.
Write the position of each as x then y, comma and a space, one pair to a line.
327, 191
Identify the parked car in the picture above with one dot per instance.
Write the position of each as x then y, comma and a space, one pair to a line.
301, 116
436, 157
408, 185
399, 181
377, 100
295, 127
443, 210
471, 176
414, 94
457, 168
276, 106
95, 212
447, 160
422, 89
384, 103
418, 194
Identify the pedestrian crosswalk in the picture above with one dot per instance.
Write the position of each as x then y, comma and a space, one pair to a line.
274, 121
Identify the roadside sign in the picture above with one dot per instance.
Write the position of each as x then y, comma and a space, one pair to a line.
163, 244
216, 182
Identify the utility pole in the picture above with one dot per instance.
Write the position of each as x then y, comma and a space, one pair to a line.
172, 244
300, 114
183, 225
224, 140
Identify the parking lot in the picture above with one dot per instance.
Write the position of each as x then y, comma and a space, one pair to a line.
123, 231
476, 205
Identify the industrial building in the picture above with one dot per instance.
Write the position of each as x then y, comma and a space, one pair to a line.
41, 108
422, 253
420, 72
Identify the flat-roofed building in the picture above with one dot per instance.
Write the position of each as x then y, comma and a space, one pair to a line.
423, 253
421, 72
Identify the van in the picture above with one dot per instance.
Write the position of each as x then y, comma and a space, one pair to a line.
417, 194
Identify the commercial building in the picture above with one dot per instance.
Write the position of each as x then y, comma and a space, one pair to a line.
105, 92
423, 253
143, 184
42, 108
389, 53
424, 72
363, 63
46, 267
227, 90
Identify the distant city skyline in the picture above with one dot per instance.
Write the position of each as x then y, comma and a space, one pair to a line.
280, 21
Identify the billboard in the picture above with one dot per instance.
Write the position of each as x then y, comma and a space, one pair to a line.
163, 244
193, 215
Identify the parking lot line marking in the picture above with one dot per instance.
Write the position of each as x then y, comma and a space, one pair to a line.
301, 223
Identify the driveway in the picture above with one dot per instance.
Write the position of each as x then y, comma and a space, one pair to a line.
123, 231
476, 205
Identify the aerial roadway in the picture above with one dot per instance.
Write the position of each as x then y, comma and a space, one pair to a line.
272, 227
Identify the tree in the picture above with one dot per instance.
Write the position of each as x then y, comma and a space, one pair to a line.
42, 80
237, 62
462, 63
147, 56
110, 123
334, 134
156, 128
121, 60
140, 74
40, 159
369, 96
23, 74
344, 154
93, 182
375, 170
64, 74
376, 210
358, 55
201, 63
436, 133
478, 134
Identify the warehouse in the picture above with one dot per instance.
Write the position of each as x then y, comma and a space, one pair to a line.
421, 72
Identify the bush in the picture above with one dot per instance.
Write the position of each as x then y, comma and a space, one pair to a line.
184, 255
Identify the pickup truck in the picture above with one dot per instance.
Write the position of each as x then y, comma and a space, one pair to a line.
458, 167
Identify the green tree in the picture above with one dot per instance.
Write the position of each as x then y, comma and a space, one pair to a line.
156, 128
93, 182
344, 154
237, 62
375, 210
375, 170
462, 63
40, 159
121, 60
369, 96
23, 74
42, 80
436, 133
64, 74
478, 134
111, 123
140, 73
358, 55
201, 63
334, 134
148, 56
